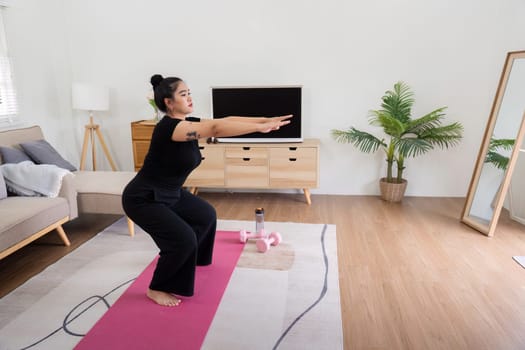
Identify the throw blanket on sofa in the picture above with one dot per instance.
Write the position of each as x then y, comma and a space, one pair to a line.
30, 179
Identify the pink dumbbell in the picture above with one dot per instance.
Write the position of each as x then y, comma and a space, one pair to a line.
264, 244
244, 235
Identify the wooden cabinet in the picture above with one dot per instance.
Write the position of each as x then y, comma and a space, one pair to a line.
210, 173
245, 166
141, 132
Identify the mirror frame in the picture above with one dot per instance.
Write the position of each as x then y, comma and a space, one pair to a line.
465, 218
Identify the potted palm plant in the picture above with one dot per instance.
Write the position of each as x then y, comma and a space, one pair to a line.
406, 137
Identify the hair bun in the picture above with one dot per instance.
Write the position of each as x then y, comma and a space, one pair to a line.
156, 79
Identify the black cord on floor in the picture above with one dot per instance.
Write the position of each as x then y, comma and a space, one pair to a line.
321, 296
67, 319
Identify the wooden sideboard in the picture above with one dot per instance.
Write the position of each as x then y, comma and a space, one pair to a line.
244, 165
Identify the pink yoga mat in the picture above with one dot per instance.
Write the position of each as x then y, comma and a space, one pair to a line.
136, 322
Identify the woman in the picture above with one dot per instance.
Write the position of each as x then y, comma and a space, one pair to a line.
181, 224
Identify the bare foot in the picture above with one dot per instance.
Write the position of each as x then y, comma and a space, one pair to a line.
163, 298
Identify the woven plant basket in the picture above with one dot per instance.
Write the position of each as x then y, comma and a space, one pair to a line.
392, 192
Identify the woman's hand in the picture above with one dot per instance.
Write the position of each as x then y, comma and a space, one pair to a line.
274, 123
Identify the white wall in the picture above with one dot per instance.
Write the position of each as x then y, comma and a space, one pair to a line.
37, 43
344, 53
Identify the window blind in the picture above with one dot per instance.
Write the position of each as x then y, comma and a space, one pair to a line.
8, 105
8, 102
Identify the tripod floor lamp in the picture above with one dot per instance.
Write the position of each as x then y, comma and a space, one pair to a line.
92, 98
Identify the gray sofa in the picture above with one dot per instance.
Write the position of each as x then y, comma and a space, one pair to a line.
24, 219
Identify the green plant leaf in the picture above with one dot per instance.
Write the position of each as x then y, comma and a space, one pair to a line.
153, 105
391, 126
444, 136
412, 146
398, 102
505, 144
498, 160
426, 122
363, 141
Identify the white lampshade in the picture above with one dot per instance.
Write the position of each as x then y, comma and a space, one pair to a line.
90, 97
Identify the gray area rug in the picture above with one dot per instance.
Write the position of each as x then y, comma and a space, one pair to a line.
287, 298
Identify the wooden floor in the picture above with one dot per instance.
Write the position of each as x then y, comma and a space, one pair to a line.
411, 275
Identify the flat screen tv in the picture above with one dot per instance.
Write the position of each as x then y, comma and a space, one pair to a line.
260, 102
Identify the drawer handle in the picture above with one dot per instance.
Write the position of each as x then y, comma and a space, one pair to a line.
246, 148
246, 159
292, 148
202, 158
292, 159
201, 147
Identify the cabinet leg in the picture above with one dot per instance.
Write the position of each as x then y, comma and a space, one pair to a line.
307, 196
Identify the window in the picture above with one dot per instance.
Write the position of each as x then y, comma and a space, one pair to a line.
8, 103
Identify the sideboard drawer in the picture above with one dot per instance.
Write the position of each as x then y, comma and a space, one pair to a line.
247, 172
293, 166
142, 131
246, 152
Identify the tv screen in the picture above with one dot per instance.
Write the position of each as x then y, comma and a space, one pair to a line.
260, 102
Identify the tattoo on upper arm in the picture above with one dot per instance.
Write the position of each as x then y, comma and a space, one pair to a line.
192, 135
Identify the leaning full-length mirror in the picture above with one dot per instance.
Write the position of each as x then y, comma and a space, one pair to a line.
499, 152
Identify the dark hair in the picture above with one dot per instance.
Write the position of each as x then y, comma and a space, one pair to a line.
163, 88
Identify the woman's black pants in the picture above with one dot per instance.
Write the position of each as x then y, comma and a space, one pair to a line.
183, 227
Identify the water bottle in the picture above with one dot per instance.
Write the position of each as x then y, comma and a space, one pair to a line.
259, 220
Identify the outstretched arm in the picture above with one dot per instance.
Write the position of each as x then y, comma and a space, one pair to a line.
224, 127
247, 119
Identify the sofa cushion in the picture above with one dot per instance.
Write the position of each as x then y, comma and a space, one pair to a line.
13, 155
25, 216
107, 182
101, 191
41, 152
14, 137
3, 188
